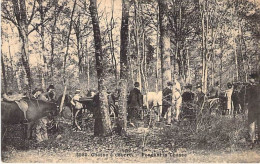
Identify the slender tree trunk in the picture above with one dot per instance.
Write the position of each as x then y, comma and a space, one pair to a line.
88, 65
4, 74
164, 43
53, 30
136, 10
124, 64
103, 119
11, 61
157, 52
17, 75
68, 40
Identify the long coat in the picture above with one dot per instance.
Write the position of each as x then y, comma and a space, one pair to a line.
135, 98
253, 99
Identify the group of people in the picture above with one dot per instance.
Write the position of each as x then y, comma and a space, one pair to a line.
173, 96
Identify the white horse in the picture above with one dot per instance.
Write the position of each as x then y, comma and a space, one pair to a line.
153, 99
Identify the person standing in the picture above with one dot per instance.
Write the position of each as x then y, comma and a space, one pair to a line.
75, 100
253, 106
200, 97
167, 98
176, 97
76, 105
235, 99
135, 102
228, 94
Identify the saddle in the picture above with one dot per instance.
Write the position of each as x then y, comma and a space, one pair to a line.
18, 99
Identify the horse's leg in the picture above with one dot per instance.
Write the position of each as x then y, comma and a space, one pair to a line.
29, 130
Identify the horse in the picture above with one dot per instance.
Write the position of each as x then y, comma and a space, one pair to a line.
12, 114
153, 99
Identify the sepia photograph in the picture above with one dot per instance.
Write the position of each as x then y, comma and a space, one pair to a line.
130, 81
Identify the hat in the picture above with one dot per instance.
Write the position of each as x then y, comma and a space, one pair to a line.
169, 83
229, 85
253, 76
77, 91
51, 86
188, 86
198, 86
136, 84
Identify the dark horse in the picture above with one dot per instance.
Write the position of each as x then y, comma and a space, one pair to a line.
12, 114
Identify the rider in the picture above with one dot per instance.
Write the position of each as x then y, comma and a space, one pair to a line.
135, 102
36, 93
49, 95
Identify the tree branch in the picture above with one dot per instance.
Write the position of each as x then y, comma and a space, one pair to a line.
39, 24
33, 12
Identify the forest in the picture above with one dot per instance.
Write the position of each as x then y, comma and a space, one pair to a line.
108, 45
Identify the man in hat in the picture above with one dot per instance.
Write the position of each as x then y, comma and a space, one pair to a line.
167, 98
188, 95
253, 100
135, 102
200, 96
188, 98
49, 95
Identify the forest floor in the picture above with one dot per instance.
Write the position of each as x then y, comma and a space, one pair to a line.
150, 145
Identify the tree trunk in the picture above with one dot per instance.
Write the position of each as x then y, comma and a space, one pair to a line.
164, 43
25, 61
136, 10
157, 54
103, 102
11, 61
17, 75
122, 102
4, 73
87, 61
53, 30
20, 14
68, 40
42, 55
